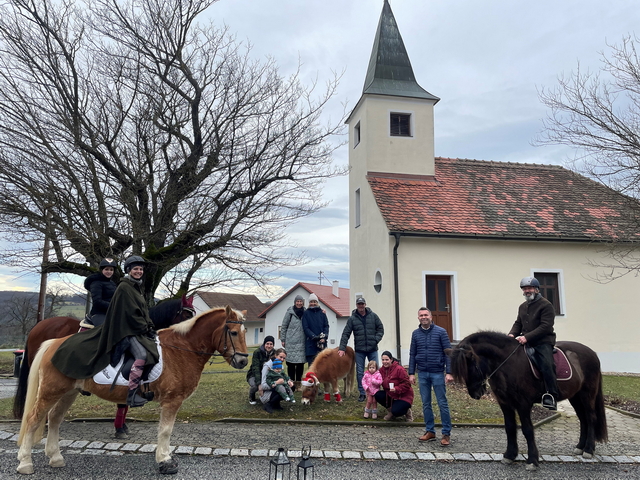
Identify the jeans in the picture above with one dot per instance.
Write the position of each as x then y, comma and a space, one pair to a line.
360, 366
426, 381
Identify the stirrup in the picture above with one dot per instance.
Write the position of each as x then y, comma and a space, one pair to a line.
135, 400
549, 402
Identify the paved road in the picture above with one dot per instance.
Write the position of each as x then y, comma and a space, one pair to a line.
352, 449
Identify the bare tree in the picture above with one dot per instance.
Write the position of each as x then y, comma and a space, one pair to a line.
598, 113
21, 311
127, 127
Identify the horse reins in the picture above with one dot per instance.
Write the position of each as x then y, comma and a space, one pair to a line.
505, 361
226, 334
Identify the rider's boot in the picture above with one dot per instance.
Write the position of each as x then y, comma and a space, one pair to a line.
133, 397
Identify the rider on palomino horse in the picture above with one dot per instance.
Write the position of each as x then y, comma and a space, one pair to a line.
127, 327
102, 288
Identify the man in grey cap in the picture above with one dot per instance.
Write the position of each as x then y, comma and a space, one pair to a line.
367, 332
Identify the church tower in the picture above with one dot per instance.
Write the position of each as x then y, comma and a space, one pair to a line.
390, 135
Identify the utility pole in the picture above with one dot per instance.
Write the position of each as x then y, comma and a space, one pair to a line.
320, 276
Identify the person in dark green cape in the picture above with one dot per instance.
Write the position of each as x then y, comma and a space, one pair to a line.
127, 327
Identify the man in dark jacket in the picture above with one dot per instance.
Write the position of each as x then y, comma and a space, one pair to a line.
427, 356
367, 332
534, 327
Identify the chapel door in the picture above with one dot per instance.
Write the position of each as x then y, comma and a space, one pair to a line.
439, 301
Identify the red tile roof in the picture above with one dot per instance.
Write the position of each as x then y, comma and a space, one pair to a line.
237, 301
339, 305
499, 199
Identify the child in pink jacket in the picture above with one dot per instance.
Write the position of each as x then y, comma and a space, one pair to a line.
371, 382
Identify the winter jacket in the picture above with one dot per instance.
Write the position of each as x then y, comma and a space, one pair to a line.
260, 356
86, 353
426, 353
293, 337
102, 290
371, 382
367, 331
273, 377
535, 321
397, 375
314, 322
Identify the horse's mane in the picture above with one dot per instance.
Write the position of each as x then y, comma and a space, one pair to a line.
483, 341
498, 339
185, 327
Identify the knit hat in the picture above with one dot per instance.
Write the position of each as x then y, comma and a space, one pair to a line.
268, 338
276, 363
298, 297
313, 296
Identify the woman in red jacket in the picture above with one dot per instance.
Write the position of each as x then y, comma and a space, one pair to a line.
397, 392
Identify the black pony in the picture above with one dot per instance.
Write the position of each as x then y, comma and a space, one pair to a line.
498, 358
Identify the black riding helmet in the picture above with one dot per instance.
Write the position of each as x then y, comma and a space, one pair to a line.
133, 261
108, 262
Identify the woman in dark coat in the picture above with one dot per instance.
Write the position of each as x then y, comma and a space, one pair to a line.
127, 327
102, 288
254, 375
316, 328
397, 392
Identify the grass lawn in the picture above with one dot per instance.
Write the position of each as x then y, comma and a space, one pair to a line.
223, 394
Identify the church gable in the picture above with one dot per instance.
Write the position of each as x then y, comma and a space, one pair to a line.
503, 200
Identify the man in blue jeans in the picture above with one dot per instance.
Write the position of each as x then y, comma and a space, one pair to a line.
367, 332
427, 356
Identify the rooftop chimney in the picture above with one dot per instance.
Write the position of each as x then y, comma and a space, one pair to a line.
336, 289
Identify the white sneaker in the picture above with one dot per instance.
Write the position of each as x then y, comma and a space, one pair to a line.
287, 399
293, 400
252, 402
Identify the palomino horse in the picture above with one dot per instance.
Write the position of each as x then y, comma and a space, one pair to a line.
163, 315
501, 360
186, 347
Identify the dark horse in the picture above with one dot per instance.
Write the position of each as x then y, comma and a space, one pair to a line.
163, 315
499, 359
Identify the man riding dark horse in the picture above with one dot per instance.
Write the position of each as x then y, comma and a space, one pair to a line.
534, 327
127, 328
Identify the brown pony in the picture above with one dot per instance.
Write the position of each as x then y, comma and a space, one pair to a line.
186, 348
498, 360
328, 368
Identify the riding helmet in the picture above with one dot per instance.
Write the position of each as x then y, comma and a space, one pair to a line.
133, 261
108, 262
529, 282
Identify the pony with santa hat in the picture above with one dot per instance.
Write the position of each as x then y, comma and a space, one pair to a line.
328, 368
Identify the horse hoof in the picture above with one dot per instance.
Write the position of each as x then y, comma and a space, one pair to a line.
56, 461
587, 455
25, 469
169, 467
530, 467
577, 451
506, 461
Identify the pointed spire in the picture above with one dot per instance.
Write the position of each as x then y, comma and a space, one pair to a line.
390, 71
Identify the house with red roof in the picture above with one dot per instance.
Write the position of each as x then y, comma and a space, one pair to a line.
254, 325
333, 299
457, 235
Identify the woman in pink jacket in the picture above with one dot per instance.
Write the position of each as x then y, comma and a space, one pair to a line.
397, 393
371, 382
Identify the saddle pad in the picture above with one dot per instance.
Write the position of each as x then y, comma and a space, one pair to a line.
105, 376
563, 367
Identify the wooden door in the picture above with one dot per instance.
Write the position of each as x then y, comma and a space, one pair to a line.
439, 301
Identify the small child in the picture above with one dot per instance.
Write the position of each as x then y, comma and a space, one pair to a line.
283, 389
371, 382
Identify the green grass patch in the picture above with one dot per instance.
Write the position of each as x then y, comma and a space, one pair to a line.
222, 393
622, 387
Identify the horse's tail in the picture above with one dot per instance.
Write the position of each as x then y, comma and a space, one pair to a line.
21, 391
601, 431
32, 394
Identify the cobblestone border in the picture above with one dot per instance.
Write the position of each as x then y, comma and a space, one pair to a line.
83, 447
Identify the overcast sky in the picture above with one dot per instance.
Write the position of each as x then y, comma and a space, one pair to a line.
486, 61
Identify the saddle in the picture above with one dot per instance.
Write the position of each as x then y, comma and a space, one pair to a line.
563, 367
119, 374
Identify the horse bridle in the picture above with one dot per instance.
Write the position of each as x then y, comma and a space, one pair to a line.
486, 379
227, 333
